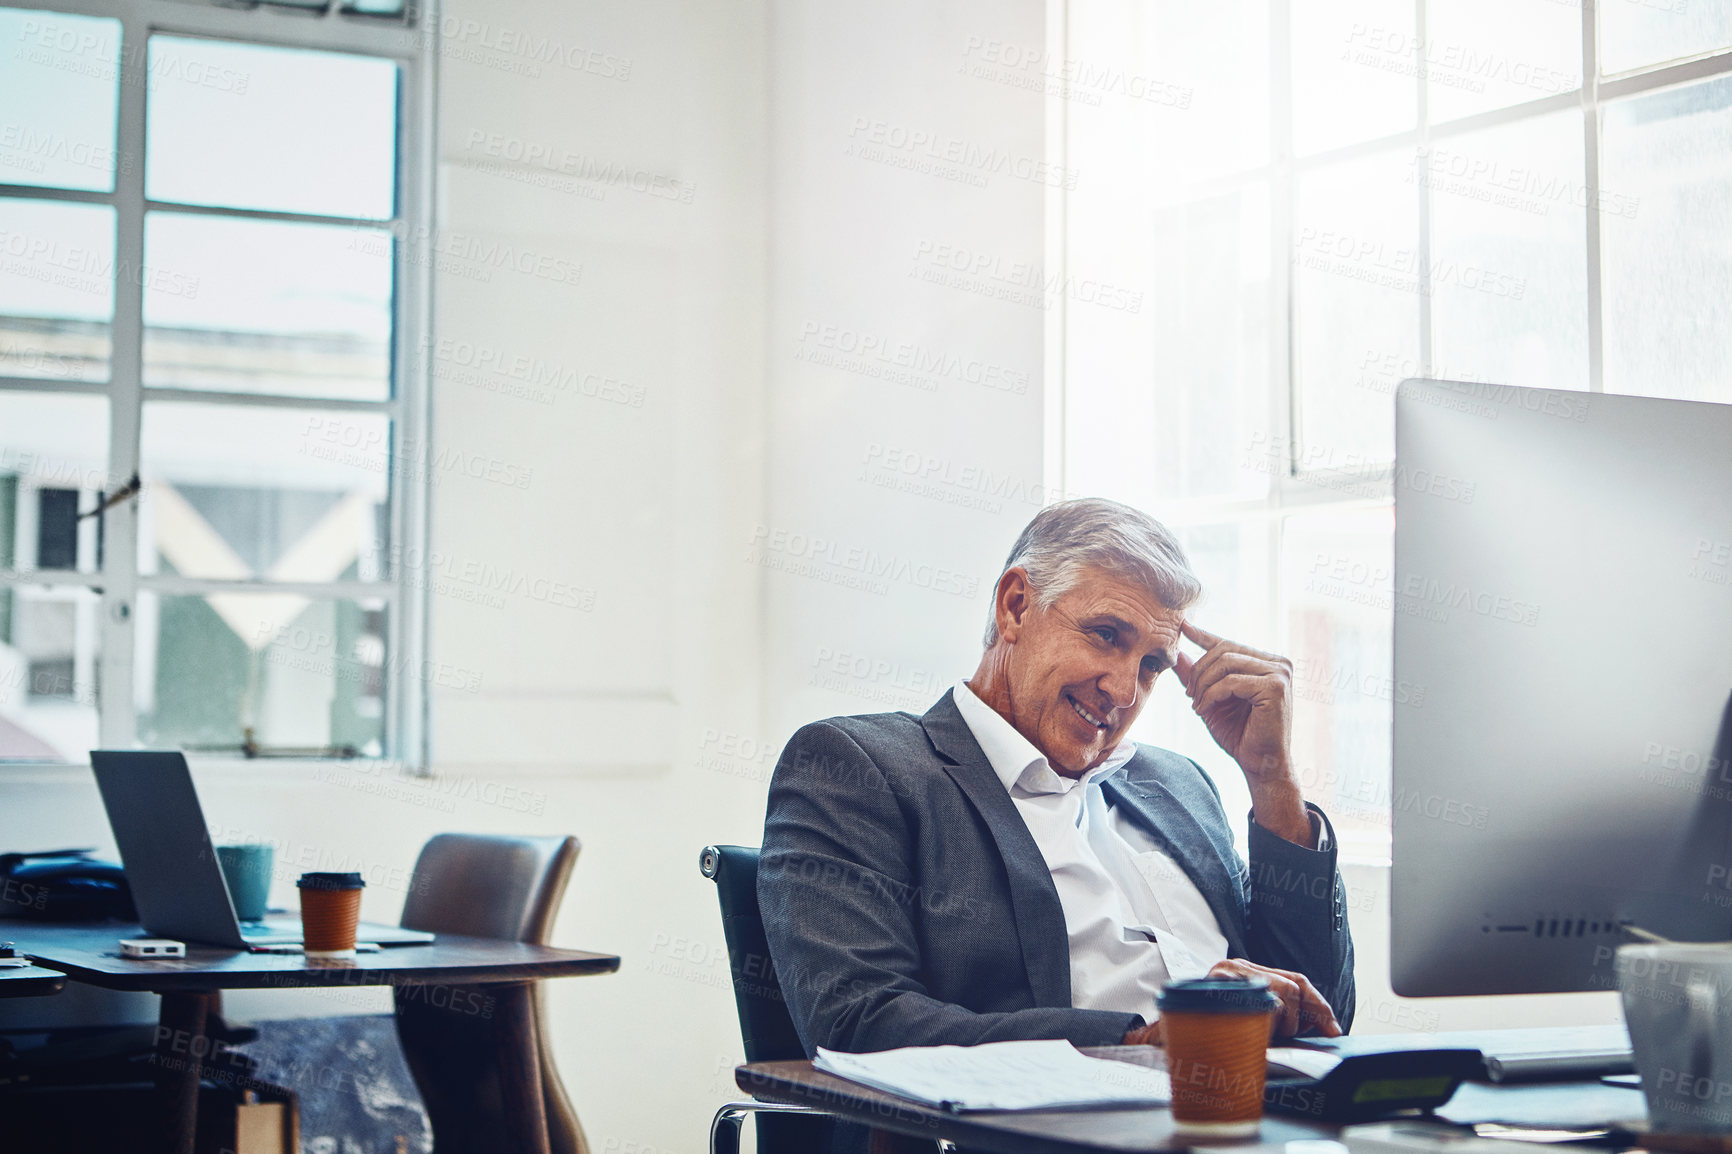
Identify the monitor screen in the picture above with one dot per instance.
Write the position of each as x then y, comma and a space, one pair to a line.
1563, 593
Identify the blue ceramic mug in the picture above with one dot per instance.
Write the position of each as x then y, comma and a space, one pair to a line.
247, 869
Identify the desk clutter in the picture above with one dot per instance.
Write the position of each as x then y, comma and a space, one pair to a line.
461, 973
63, 885
94, 1088
1055, 1075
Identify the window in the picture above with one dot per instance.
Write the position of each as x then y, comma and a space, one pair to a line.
204, 285
1310, 200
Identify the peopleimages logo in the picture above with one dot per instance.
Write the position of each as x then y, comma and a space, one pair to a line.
38, 149
867, 565
903, 147
923, 367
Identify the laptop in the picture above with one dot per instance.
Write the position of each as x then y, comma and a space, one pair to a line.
177, 882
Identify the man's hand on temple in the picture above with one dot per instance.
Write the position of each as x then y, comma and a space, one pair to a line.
1303, 1010
1245, 698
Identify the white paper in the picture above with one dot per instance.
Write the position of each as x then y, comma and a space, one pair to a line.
1312, 1064
1032, 1075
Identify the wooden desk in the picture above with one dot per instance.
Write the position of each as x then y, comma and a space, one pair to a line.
189, 985
29, 981
1572, 1105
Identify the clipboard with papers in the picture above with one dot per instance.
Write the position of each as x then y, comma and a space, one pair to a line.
1019, 1075
1055, 1075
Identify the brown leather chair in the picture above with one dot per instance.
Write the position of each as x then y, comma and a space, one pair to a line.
484, 886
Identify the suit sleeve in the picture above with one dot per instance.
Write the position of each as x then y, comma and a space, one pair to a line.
1297, 913
836, 886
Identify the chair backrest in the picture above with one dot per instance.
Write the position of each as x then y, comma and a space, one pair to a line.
484, 886
490, 886
765, 1026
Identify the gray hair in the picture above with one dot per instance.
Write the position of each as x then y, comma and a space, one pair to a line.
1069, 537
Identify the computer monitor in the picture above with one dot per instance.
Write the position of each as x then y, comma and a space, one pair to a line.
1563, 617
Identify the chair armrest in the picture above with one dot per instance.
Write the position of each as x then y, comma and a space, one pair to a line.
725, 1127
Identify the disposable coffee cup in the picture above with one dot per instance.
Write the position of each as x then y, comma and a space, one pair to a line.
1217, 1038
330, 913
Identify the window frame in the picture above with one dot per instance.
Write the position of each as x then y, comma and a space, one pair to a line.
1293, 490
407, 39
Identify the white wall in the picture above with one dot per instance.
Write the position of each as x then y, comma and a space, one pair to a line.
904, 416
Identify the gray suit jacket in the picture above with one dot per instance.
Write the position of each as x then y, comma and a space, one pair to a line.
907, 904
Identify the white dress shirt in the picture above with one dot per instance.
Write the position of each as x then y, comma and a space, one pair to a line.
1134, 917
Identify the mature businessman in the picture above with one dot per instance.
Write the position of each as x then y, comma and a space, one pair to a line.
1011, 866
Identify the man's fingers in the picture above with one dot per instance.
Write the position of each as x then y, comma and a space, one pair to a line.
1233, 686
1183, 667
1288, 1019
1303, 1009
1198, 634
1224, 650
1313, 1012
1218, 665
1316, 1014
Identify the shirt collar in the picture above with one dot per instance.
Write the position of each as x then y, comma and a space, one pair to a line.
1014, 758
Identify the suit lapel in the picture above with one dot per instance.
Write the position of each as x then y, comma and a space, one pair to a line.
1040, 927
1174, 827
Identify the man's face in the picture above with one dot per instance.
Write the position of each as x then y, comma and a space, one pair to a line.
1080, 670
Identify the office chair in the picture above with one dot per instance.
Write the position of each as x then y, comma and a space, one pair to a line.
484, 886
765, 1027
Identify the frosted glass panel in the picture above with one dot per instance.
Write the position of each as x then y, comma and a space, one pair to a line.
1358, 287
1668, 261
1486, 54
1354, 65
1509, 284
1635, 33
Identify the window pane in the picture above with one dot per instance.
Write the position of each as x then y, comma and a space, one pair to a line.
291, 671
1509, 284
248, 126
248, 306
1337, 574
59, 92
1353, 72
1357, 291
1214, 58
48, 673
267, 494
1211, 364
1668, 266
1635, 33
56, 290
53, 466
1485, 54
